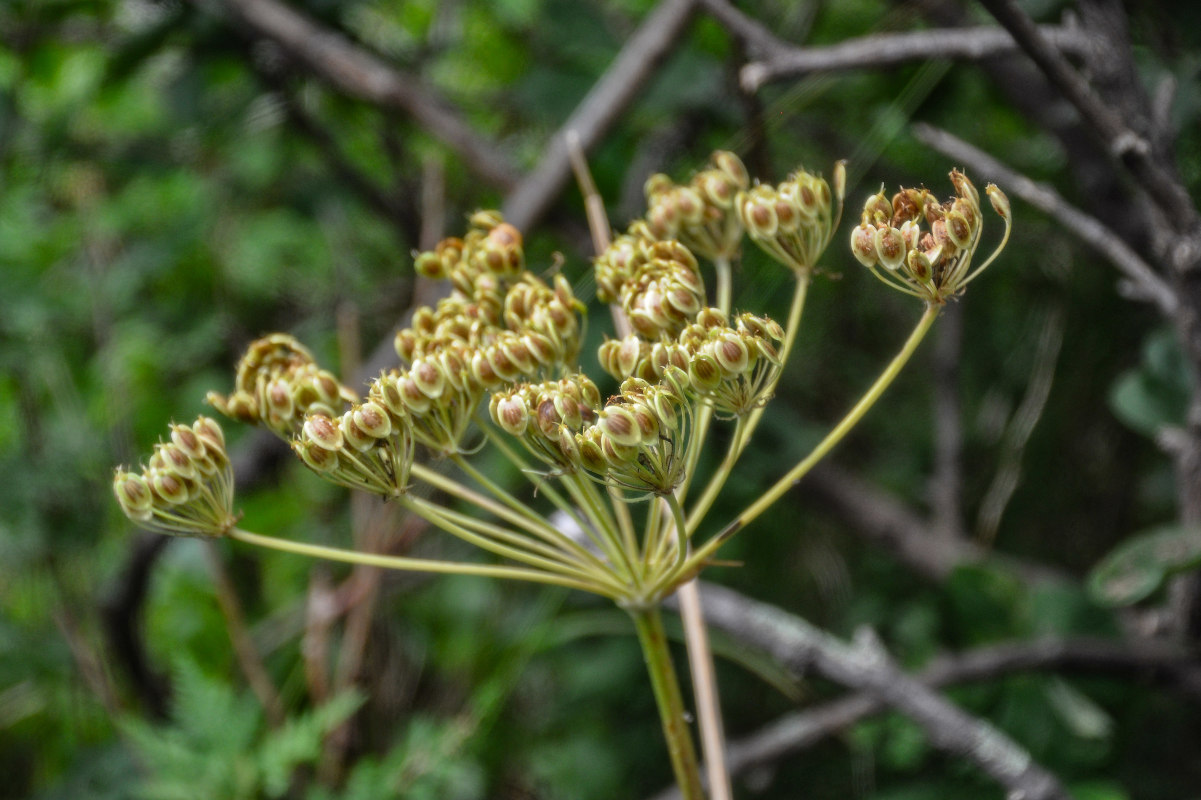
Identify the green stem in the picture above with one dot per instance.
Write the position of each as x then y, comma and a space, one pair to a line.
410, 564
747, 425
531, 522
724, 283
827, 444
510, 544
678, 528
603, 527
680, 748
531, 516
625, 521
544, 486
718, 481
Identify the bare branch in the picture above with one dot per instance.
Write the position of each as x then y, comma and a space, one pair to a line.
799, 730
889, 49
1123, 143
1145, 283
599, 109
361, 74
865, 665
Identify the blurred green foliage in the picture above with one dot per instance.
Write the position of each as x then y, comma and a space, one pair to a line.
170, 189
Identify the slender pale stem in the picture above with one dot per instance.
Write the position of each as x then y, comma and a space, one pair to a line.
531, 516
651, 636
625, 521
718, 481
832, 438
456, 489
724, 282
412, 564
799, 293
544, 486
600, 515
704, 689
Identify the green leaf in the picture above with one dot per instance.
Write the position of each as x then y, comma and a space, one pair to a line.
1098, 790
299, 741
1156, 393
1139, 566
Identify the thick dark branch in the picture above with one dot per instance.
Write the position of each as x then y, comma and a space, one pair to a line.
121, 611
865, 665
1145, 283
1122, 142
361, 74
600, 109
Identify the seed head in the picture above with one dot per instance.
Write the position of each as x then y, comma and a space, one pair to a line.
924, 247
186, 487
793, 221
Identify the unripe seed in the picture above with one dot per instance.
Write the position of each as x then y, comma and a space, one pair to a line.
354, 435
958, 230
863, 245
133, 494
511, 414
619, 424
890, 247
321, 431
187, 441
169, 488
373, 420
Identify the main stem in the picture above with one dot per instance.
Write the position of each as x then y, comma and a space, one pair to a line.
653, 639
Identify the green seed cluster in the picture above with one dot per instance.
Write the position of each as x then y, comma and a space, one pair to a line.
639, 438
547, 417
732, 367
701, 214
794, 220
278, 383
656, 283
922, 246
500, 325
634, 440
186, 488
370, 447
